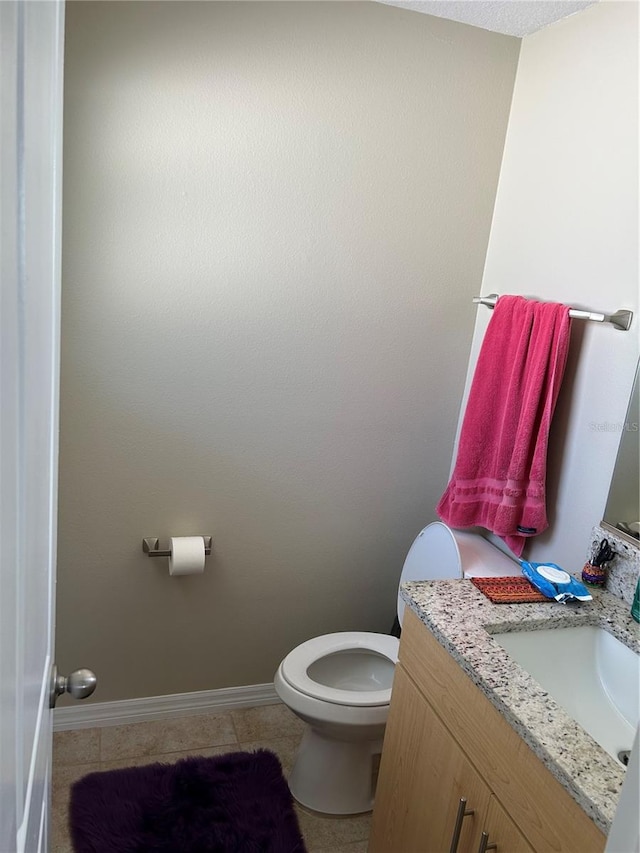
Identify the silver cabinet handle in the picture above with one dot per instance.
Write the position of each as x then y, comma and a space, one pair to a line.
484, 843
463, 812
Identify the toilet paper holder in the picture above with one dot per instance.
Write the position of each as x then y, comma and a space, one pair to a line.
151, 546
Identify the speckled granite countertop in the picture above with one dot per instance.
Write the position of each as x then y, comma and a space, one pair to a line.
462, 619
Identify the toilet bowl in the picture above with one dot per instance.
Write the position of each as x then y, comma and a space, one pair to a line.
340, 684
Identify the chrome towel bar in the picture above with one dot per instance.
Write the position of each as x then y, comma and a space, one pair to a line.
620, 319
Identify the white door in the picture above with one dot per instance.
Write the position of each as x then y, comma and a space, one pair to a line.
31, 45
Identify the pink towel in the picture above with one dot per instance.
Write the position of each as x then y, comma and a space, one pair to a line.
500, 473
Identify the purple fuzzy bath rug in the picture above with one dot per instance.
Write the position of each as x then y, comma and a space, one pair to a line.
234, 803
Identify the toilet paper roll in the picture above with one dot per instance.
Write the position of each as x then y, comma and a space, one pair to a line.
187, 555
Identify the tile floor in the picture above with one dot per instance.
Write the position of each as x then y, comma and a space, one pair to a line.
273, 727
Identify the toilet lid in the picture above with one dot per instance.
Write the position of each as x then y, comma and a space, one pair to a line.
434, 555
294, 667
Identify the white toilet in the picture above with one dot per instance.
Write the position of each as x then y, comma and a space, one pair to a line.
340, 684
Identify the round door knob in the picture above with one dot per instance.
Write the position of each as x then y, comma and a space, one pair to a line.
79, 684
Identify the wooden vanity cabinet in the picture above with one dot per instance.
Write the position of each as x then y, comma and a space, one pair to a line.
421, 756
445, 741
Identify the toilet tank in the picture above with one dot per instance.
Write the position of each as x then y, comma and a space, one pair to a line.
440, 553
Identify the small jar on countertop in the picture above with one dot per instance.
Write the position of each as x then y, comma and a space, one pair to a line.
594, 571
594, 575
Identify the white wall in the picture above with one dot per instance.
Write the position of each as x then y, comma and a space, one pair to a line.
275, 218
565, 228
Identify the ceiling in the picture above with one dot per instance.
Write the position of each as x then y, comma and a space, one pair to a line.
511, 17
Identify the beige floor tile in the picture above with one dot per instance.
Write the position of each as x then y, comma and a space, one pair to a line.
357, 847
285, 748
62, 779
323, 832
61, 846
76, 747
266, 722
166, 757
163, 736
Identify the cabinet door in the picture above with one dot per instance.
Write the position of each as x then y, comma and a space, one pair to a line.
503, 831
423, 776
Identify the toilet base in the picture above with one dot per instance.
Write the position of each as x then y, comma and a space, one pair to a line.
334, 776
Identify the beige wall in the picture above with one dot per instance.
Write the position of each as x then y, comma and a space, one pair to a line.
275, 217
565, 228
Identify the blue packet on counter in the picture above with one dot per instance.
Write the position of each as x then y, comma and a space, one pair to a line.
554, 582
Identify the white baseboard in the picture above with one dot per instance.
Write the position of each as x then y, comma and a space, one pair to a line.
126, 711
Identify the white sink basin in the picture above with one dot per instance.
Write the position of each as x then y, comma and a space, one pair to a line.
593, 676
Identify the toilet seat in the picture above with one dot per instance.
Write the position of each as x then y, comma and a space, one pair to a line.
294, 667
